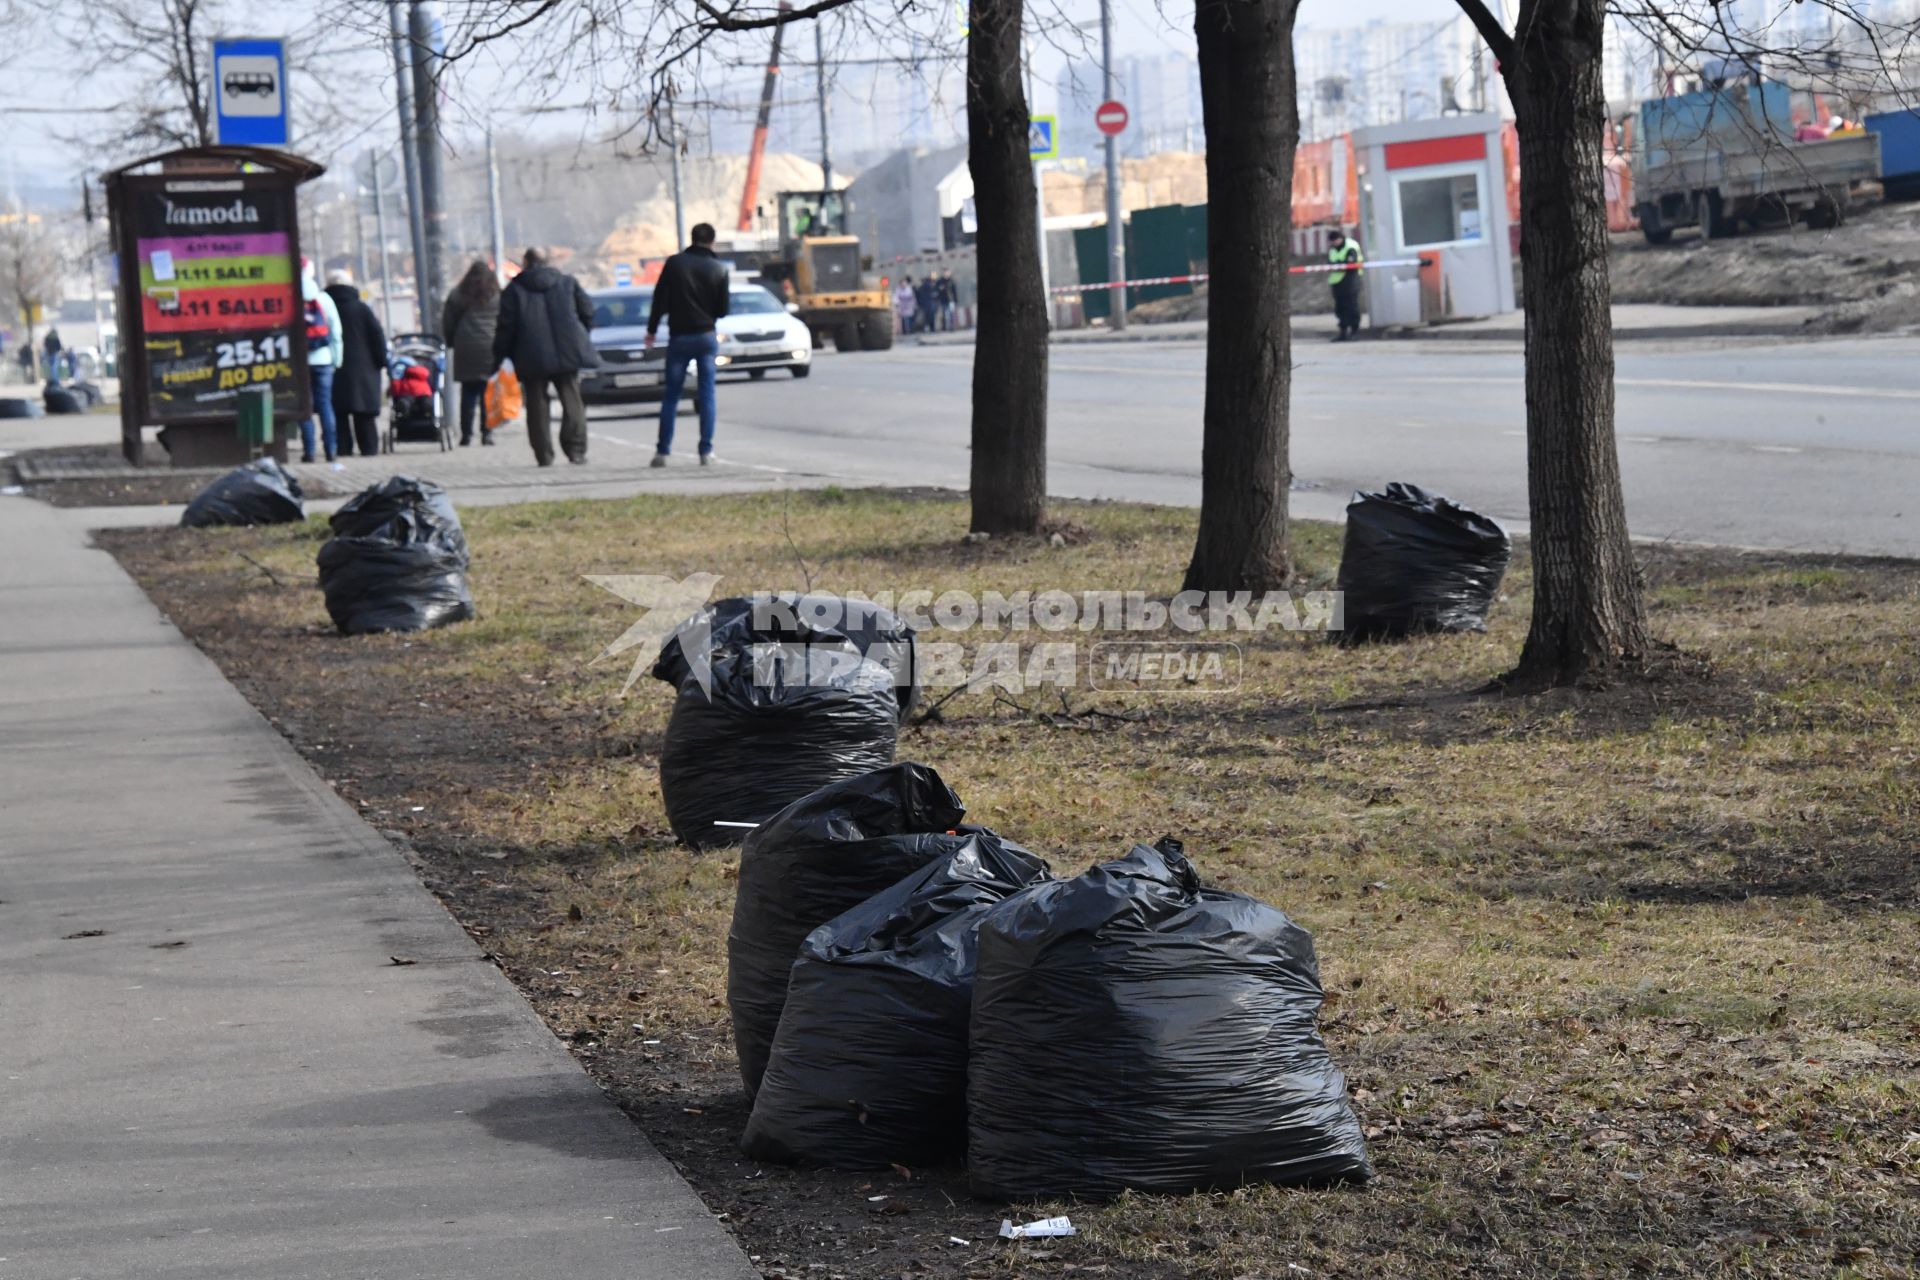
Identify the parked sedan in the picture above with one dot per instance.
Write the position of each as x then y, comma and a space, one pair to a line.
758, 334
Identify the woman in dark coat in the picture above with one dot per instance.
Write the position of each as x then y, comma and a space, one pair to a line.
468, 322
363, 368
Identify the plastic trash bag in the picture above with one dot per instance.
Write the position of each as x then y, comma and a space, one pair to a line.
504, 401
261, 492
869, 1065
1415, 562
773, 711
397, 560
821, 856
1132, 1029
63, 400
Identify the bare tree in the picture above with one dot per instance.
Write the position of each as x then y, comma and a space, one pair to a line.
33, 259
164, 46
1588, 615
1253, 126
1009, 470
1587, 610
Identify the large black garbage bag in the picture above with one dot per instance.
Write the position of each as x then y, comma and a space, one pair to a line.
402, 509
258, 493
869, 1065
61, 399
1132, 1029
397, 560
1415, 562
771, 707
821, 856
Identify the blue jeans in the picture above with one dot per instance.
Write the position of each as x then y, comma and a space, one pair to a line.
322, 375
700, 348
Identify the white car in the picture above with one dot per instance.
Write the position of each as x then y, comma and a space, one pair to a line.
758, 333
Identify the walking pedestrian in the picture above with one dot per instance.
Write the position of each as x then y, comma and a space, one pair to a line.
362, 368
950, 299
542, 327
692, 296
926, 303
903, 303
1346, 284
53, 348
324, 349
468, 322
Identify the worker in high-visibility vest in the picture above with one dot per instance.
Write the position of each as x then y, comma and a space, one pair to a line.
1342, 252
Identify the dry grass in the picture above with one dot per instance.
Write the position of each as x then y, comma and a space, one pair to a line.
1624, 979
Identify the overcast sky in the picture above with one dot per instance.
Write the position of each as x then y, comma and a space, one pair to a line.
44, 78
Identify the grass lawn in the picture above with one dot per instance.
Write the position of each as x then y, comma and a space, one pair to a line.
1625, 980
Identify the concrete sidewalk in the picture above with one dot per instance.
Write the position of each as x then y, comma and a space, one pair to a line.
211, 1066
1631, 322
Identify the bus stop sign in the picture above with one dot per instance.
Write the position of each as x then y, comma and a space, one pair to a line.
250, 93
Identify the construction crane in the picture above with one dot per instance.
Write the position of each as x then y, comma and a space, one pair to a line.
751, 190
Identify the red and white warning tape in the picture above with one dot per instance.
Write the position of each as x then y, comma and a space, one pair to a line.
1200, 277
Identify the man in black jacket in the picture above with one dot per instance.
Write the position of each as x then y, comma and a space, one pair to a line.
692, 295
544, 318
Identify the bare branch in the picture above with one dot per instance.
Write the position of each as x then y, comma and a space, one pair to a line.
1489, 28
718, 21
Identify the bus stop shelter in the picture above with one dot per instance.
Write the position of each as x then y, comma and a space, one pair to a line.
206, 245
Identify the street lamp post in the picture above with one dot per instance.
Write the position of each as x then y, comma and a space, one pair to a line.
425, 29
380, 229
1116, 230
493, 211
409, 152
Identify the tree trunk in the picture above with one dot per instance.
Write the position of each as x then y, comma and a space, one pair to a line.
1253, 125
1009, 479
1587, 613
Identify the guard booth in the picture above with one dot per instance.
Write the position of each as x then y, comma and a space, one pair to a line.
1435, 190
206, 245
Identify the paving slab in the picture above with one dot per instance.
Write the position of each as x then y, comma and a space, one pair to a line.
211, 1066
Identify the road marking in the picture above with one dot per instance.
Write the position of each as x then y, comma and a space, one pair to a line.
747, 466
1701, 384
1776, 448
1783, 388
1056, 366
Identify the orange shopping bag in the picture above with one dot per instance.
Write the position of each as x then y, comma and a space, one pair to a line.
503, 398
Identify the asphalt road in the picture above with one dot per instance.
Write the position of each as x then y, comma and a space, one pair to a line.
1756, 442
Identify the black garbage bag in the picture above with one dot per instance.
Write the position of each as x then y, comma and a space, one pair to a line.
1132, 1029
823, 855
402, 508
869, 1065
1415, 562
771, 707
261, 492
60, 399
397, 560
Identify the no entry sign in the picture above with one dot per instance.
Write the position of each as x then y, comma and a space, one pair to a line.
1110, 117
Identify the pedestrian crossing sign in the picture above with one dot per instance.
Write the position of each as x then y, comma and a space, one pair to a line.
1043, 138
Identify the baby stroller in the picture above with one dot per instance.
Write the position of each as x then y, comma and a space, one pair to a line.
416, 381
